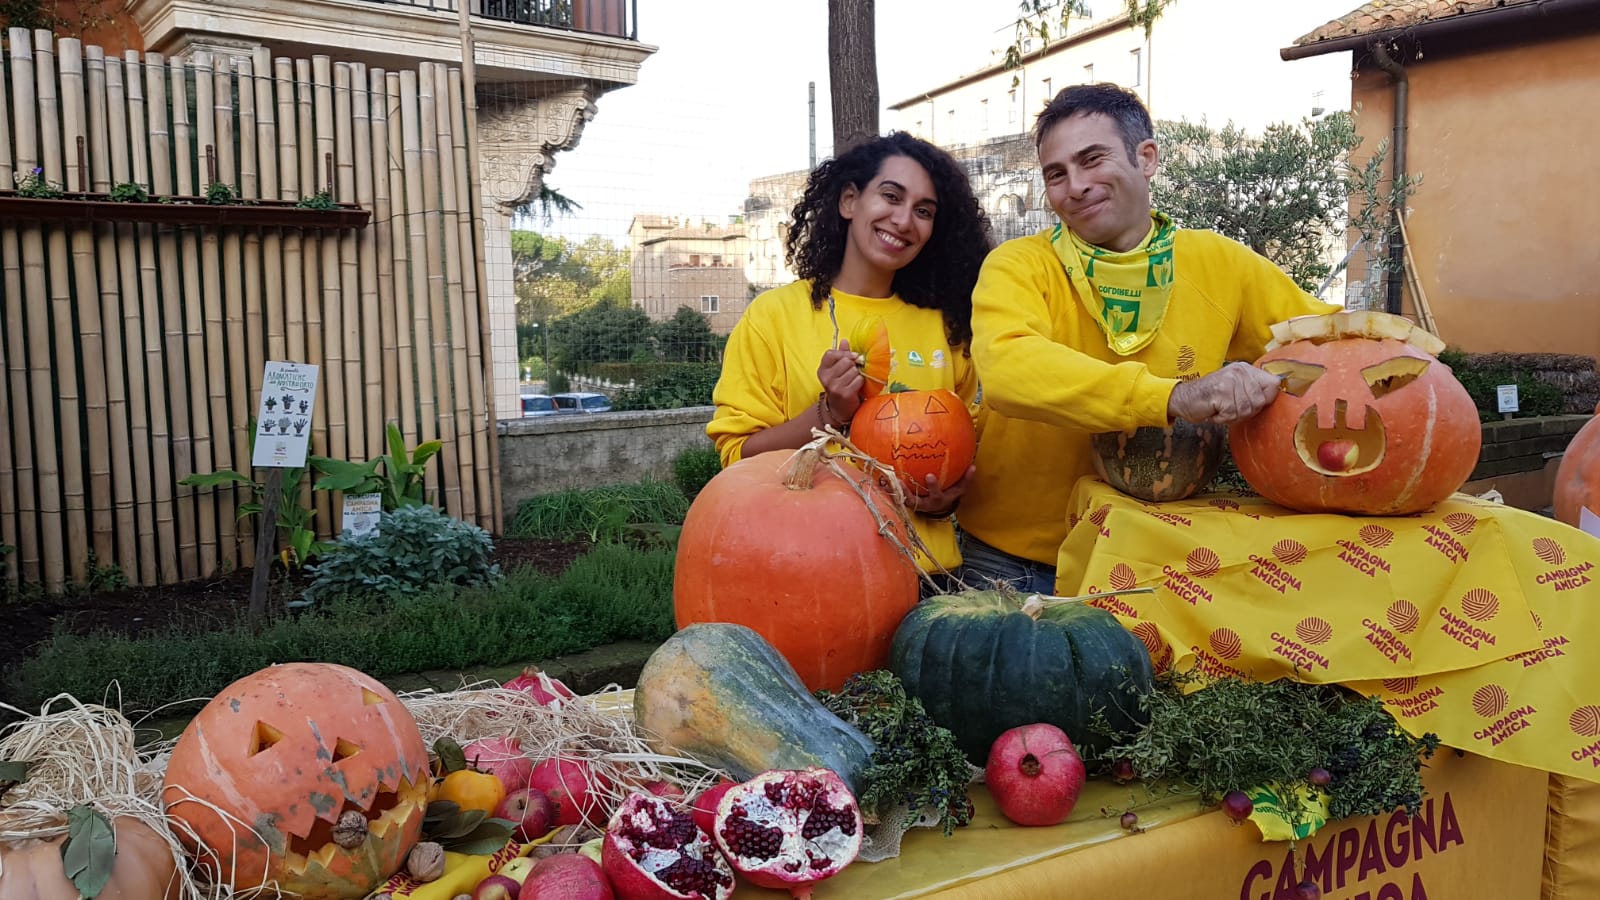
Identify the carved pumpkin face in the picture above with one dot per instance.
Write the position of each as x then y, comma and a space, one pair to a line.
917, 433
288, 754
1364, 426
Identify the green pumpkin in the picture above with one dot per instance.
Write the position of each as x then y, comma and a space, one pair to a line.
721, 694
983, 662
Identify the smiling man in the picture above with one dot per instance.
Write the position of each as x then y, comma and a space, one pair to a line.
1112, 320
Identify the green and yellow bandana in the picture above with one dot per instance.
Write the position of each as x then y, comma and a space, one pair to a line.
1126, 293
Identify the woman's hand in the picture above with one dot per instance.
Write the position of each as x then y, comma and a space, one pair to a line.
842, 381
937, 503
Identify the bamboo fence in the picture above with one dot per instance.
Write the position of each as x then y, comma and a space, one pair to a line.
131, 351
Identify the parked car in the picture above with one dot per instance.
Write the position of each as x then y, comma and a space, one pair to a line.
538, 405
582, 402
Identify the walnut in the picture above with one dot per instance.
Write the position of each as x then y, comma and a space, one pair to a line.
426, 861
351, 830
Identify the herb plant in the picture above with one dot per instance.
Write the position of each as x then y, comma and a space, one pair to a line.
415, 549
1236, 734
916, 762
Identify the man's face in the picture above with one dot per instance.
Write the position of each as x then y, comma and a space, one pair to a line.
1092, 184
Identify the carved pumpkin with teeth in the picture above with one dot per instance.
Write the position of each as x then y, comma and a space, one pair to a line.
310, 775
1369, 422
917, 433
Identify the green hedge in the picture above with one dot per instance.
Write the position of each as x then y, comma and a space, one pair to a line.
612, 593
1535, 396
670, 386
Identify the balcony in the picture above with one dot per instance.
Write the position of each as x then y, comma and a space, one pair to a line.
517, 41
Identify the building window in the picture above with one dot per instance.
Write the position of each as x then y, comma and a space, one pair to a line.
1088, 74
709, 303
1138, 67
716, 260
1048, 94
694, 259
1011, 108
983, 115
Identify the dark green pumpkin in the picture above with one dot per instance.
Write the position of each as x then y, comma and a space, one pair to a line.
721, 694
1160, 464
981, 665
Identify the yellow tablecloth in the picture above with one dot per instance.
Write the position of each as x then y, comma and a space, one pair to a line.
1476, 621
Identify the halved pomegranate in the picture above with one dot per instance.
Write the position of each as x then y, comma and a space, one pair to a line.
654, 851
789, 828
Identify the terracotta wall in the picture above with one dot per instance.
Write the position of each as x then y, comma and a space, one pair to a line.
1505, 226
103, 23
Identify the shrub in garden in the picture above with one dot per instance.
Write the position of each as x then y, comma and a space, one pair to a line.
1482, 376
694, 467
599, 515
415, 548
670, 386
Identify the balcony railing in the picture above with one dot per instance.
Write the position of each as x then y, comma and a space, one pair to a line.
617, 18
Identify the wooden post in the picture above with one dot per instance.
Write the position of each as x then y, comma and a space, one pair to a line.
266, 544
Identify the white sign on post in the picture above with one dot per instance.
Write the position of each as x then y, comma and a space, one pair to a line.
283, 421
1507, 395
361, 513
1588, 521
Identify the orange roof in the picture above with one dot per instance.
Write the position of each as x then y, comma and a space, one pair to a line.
1386, 15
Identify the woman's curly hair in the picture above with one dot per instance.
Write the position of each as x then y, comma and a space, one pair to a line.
945, 271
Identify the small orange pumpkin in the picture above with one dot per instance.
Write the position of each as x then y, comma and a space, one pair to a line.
144, 868
1366, 423
786, 547
322, 776
917, 433
870, 340
1578, 476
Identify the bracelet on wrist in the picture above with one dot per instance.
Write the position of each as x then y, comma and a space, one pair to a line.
825, 413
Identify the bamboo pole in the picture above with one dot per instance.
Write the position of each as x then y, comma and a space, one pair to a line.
24, 500
358, 433
311, 257
167, 299
84, 342
373, 356
427, 408
272, 267
399, 235
140, 125
128, 527
193, 321
331, 407
436, 305
455, 300
382, 238
11, 365
470, 324
294, 316
253, 252
212, 306
469, 85
235, 343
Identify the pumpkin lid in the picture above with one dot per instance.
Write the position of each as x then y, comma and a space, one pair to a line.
1362, 324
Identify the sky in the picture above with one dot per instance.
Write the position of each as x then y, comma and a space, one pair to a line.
724, 98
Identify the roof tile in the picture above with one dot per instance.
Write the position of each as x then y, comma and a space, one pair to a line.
1384, 15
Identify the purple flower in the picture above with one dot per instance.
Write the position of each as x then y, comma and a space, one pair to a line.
38, 171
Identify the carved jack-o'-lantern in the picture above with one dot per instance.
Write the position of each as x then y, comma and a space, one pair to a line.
311, 775
1368, 422
917, 433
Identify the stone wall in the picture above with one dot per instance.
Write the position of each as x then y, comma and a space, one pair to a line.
1520, 457
553, 453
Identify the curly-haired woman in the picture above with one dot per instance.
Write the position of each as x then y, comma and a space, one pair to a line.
889, 228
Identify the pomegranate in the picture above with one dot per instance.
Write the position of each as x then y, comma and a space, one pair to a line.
544, 690
665, 789
1035, 774
567, 876
653, 851
704, 809
578, 791
789, 828
502, 757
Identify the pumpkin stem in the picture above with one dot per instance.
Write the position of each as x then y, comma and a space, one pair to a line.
1029, 766
1038, 603
803, 466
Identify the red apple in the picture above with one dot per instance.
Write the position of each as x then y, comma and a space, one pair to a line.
517, 869
1338, 455
531, 810
497, 887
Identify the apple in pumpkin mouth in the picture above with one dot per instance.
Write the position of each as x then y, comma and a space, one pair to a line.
1342, 450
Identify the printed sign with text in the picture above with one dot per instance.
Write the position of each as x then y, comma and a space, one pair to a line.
283, 420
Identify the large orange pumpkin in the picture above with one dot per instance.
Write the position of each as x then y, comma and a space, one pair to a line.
288, 753
144, 868
1578, 476
788, 548
1366, 423
917, 433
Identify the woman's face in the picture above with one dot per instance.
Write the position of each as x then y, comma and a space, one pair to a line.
891, 219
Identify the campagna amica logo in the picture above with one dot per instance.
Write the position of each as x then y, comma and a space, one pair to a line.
1376, 536
1314, 630
1403, 616
1461, 523
1405, 685
1585, 721
1480, 604
1122, 577
1225, 643
1289, 552
1202, 562
1490, 700
1549, 551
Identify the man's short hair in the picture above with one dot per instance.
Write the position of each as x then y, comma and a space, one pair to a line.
1122, 105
